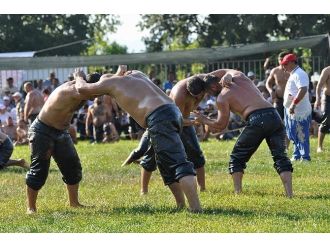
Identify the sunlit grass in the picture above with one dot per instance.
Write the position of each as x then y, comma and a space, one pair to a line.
116, 206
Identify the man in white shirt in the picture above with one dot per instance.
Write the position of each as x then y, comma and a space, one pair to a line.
297, 108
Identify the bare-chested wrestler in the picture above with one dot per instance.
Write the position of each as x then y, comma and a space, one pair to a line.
98, 114
263, 121
186, 94
275, 85
49, 136
324, 84
151, 108
6, 150
33, 103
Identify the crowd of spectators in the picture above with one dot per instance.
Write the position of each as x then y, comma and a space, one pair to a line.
102, 120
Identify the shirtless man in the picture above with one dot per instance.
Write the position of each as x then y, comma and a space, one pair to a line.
275, 85
33, 103
6, 150
324, 84
98, 114
21, 132
186, 94
10, 129
263, 120
49, 136
152, 109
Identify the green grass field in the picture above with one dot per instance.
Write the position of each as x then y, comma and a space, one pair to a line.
116, 206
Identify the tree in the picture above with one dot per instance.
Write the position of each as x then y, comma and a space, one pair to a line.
225, 29
38, 32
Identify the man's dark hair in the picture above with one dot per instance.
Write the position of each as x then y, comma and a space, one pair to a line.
93, 77
195, 85
209, 80
10, 79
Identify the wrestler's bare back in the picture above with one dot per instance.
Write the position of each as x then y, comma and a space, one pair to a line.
59, 108
243, 97
135, 93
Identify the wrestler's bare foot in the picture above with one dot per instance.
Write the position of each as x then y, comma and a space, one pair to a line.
319, 150
143, 193
24, 164
31, 211
77, 205
129, 160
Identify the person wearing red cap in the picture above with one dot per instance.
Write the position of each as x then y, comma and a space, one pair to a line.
297, 108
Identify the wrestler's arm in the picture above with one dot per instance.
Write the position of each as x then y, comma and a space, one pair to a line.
270, 83
323, 78
27, 107
221, 122
99, 88
179, 100
88, 121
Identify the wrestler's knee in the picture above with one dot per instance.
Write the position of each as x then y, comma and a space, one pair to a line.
236, 167
36, 178
283, 165
73, 176
185, 169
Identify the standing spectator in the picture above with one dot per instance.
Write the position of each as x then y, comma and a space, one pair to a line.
48, 82
98, 114
54, 84
33, 103
81, 120
170, 81
10, 86
276, 85
40, 85
325, 125
297, 108
19, 101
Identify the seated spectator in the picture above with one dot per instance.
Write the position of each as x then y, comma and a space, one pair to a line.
6, 150
262, 88
4, 114
19, 101
21, 133
252, 77
10, 88
9, 128
110, 133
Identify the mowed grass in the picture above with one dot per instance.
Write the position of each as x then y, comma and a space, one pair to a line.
116, 205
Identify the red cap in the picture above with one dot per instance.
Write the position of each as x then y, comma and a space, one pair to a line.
288, 58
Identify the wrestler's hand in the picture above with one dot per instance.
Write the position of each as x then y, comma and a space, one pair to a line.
121, 70
317, 104
79, 73
199, 117
226, 80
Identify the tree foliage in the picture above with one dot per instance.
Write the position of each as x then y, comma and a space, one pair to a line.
38, 32
225, 29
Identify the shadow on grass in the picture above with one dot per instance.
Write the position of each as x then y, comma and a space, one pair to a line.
20, 170
315, 197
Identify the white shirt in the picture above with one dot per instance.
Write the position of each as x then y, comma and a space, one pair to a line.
298, 79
